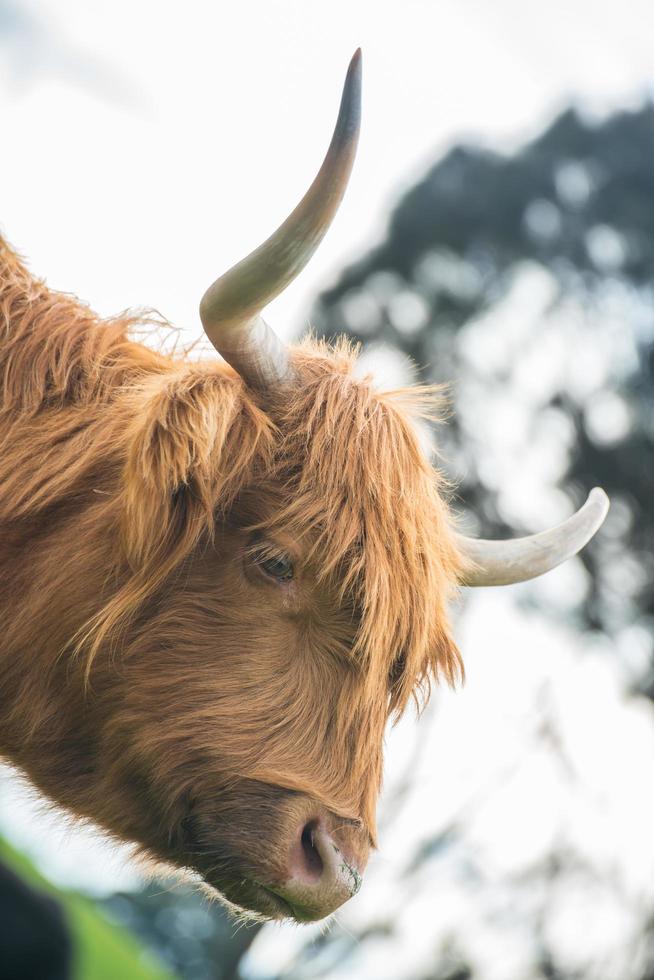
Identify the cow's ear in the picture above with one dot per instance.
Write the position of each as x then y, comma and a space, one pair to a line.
193, 443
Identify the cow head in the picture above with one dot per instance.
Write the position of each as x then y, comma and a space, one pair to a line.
285, 559
323, 585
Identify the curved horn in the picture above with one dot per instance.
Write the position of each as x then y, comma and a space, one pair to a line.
230, 309
507, 562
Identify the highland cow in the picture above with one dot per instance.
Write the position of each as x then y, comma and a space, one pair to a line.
220, 579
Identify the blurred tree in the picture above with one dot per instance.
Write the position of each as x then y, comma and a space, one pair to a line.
561, 234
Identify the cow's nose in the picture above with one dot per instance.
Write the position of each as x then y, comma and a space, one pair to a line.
325, 867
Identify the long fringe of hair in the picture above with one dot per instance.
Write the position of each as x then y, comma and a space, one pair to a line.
173, 444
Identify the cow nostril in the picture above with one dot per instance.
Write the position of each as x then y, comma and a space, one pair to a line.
323, 869
313, 862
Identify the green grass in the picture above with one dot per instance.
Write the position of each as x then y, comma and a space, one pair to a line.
103, 951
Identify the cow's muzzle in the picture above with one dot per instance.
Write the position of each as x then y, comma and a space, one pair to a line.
326, 861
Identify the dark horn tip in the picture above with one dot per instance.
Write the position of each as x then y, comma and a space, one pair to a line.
354, 67
349, 119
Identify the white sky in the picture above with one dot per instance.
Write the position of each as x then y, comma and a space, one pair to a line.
159, 142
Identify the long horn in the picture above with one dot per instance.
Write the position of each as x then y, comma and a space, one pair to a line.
230, 309
507, 562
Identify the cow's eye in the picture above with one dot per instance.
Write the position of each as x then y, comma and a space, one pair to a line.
279, 567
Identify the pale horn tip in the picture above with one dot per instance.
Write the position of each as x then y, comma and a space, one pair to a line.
599, 499
594, 510
521, 559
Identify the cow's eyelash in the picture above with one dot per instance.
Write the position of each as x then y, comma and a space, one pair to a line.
264, 551
272, 561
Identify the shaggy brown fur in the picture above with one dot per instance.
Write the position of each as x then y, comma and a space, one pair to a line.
151, 678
